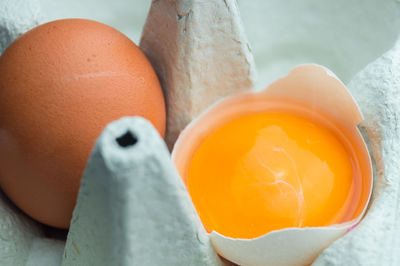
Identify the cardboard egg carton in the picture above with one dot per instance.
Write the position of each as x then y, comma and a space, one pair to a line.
140, 212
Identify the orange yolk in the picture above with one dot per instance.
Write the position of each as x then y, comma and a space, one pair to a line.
269, 171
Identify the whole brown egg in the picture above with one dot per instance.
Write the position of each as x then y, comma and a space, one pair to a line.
60, 84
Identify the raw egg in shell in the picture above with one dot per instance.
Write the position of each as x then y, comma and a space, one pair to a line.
277, 175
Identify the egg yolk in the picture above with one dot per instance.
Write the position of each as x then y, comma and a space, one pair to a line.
268, 171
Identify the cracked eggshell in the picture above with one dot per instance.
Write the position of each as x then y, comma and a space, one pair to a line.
311, 90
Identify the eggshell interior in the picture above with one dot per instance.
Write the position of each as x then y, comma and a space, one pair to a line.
315, 92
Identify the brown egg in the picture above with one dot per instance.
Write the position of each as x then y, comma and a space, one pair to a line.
60, 84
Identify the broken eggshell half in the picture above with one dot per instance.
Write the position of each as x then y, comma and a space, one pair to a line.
312, 91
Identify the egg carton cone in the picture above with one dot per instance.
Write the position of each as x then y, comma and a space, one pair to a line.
189, 43
376, 240
133, 208
200, 53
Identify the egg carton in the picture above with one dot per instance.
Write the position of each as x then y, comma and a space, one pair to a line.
133, 208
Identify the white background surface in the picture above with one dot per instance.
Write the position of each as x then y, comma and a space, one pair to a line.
343, 35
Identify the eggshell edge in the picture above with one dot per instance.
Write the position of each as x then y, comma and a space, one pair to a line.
291, 246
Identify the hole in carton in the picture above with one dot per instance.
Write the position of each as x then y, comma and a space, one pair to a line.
126, 140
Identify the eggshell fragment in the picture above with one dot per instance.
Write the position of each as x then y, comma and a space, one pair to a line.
200, 53
133, 208
321, 91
